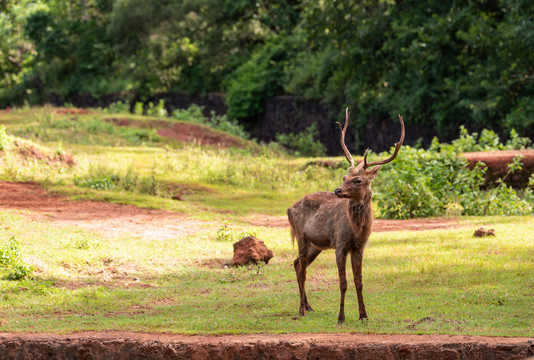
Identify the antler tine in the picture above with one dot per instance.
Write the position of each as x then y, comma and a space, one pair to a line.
343, 131
365, 159
389, 159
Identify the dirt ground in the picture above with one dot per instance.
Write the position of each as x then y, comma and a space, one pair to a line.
119, 220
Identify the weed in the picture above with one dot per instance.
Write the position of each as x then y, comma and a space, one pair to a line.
20, 272
10, 253
227, 234
157, 110
139, 109
5, 140
118, 108
11, 261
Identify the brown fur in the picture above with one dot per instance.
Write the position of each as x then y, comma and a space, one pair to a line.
341, 221
321, 221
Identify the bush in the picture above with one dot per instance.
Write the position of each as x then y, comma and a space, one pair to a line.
303, 143
5, 140
227, 234
192, 114
260, 78
488, 141
11, 261
423, 183
118, 108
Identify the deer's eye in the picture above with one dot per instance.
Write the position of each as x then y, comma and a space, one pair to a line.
357, 181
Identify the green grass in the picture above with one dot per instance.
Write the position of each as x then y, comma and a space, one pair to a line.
414, 282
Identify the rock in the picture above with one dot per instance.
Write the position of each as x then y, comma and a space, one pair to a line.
251, 250
483, 232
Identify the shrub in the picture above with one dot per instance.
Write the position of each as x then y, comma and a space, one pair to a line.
487, 141
422, 183
157, 110
11, 261
227, 234
192, 114
118, 108
303, 143
5, 140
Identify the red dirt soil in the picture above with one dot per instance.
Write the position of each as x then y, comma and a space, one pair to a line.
497, 165
106, 218
117, 220
128, 346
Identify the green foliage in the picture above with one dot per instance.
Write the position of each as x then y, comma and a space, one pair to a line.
228, 125
303, 143
11, 261
139, 108
439, 64
157, 110
118, 107
488, 141
20, 272
228, 234
5, 140
259, 79
10, 253
102, 177
436, 182
193, 114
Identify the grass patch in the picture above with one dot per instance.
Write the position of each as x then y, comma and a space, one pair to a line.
414, 282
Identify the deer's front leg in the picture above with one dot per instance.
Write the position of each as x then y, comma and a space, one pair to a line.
341, 261
356, 261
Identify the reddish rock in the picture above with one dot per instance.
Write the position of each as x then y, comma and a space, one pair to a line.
251, 250
481, 232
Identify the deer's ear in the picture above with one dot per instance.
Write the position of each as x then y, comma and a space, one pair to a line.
371, 173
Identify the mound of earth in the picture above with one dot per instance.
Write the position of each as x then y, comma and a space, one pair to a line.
184, 132
72, 111
497, 165
124, 345
31, 151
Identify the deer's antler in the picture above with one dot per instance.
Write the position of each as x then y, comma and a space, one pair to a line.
343, 131
389, 159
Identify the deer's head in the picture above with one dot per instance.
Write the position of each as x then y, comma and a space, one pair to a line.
357, 183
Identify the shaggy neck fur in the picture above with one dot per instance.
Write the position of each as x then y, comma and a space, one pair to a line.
360, 213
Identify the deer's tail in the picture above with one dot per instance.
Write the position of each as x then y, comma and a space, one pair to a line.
294, 231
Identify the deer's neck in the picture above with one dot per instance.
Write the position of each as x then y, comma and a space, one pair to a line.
361, 214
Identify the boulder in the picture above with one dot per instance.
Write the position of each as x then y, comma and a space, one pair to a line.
483, 232
250, 250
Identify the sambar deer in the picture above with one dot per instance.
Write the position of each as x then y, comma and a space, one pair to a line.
340, 220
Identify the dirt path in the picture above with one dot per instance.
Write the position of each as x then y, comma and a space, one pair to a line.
122, 220
107, 218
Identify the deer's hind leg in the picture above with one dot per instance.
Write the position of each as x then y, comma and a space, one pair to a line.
307, 255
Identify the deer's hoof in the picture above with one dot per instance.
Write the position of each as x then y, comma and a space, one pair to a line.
364, 318
302, 311
308, 307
